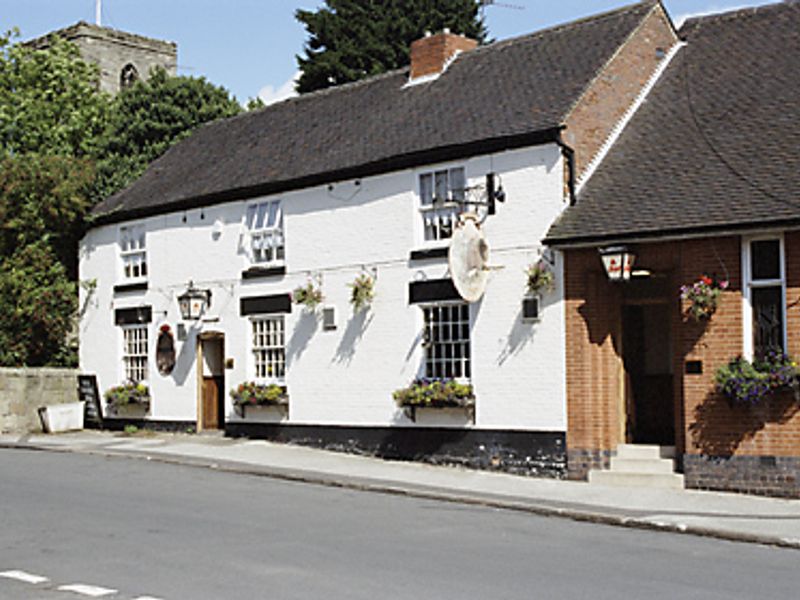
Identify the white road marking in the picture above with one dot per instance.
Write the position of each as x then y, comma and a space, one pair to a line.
23, 576
87, 590
146, 598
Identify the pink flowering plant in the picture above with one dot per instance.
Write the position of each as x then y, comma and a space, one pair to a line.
308, 295
435, 393
251, 393
749, 383
703, 296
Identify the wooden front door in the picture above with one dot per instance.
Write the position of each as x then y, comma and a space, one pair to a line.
212, 402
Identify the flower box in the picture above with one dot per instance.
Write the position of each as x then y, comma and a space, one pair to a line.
128, 399
435, 394
746, 383
250, 394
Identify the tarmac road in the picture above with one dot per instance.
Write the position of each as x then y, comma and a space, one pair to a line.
131, 529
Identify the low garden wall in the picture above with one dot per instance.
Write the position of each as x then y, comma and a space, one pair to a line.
24, 390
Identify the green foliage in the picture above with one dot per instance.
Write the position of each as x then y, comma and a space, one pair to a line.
353, 39
148, 118
49, 101
130, 430
743, 382
308, 295
540, 278
37, 305
363, 292
127, 394
435, 393
255, 394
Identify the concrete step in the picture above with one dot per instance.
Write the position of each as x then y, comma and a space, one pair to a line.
648, 480
642, 465
645, 451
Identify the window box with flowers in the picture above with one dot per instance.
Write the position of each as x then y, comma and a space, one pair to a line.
128, 399
251, 394
437, 394
703, 296
746, 383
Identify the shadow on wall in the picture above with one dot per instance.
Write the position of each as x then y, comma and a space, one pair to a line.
719, 428
356, 327
304, 329
519, 337
186, 359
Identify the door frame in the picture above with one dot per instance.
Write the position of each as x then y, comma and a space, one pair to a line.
207, 336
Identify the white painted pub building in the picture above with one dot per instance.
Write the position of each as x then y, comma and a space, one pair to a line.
368, 179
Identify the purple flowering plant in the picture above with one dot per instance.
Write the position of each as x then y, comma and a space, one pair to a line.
251, 393
750, 383
439, 393
703, 295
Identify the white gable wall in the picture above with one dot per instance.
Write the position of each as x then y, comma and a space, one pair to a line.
346, 376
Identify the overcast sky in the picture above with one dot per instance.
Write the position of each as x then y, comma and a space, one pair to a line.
249, 46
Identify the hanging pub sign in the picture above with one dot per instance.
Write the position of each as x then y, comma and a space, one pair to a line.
618, 262
165, 351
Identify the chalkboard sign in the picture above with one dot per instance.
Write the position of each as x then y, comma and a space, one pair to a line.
87, 391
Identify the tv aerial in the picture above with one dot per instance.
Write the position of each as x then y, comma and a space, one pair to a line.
484, 3
467, 257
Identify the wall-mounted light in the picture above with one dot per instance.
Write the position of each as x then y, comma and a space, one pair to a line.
193, 302
618, 262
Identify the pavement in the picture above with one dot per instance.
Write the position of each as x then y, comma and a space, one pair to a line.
735, 517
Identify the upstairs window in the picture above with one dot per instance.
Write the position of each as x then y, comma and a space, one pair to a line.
134, 352
265, 224
269, 349
441, 197
447, 341
133, 252
765, 290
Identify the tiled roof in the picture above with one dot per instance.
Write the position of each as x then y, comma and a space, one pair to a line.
507, 94
715, 147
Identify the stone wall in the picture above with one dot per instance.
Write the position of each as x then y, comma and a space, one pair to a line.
24, 390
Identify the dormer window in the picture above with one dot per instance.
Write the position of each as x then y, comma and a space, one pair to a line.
265, 224
441, 196
133, 252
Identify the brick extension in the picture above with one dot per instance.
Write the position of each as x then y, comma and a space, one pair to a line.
725, 448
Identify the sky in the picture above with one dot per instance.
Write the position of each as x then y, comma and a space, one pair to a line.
249, 46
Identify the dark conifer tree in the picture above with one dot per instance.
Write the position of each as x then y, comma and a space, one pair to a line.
353, 39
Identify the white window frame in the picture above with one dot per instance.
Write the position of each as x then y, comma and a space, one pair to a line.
434, 212
748, 285
467, 362
126, 356
273, 236
255, 348
136, 256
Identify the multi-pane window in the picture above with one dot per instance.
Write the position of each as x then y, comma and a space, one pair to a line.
134, 352
265, 223
269, 348
133, 252
765, 290
441, 197
447, 348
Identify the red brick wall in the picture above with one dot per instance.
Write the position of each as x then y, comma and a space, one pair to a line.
615, 89
429, 54
705, 422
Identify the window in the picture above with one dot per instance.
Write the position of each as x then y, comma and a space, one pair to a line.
133, 252
446, 341
265, 223
441, 194
269, 349
134, 352
765, 290
128, 76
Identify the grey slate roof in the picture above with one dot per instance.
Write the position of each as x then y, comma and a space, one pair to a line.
507, 94
716, 146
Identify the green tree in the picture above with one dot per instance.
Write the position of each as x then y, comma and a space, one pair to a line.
353, 39
148, 118
49, 101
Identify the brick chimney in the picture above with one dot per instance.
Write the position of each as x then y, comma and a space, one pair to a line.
431, 54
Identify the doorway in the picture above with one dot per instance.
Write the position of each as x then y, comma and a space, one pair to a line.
211, 370
647, 359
